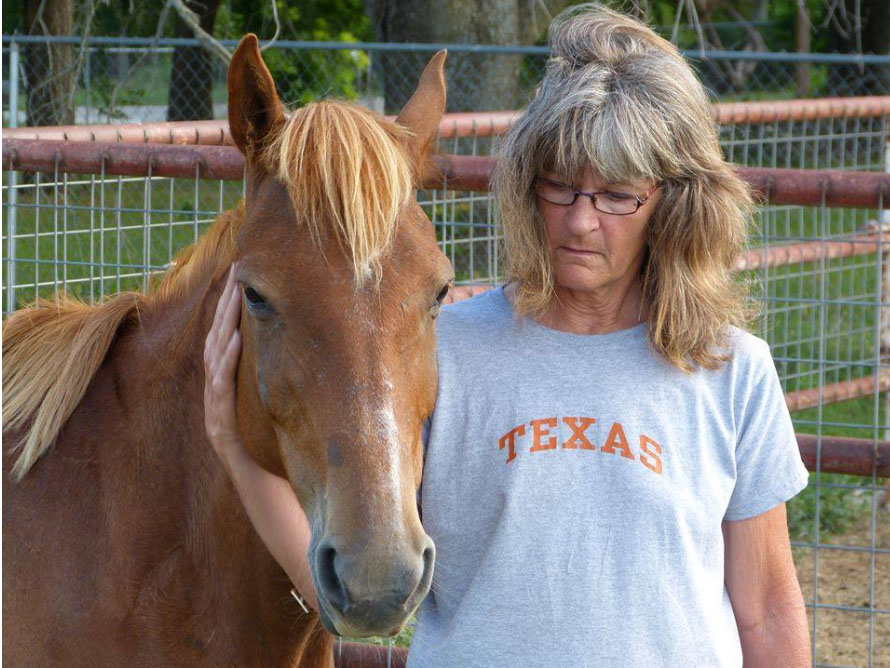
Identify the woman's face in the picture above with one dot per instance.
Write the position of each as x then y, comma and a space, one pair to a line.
591, 250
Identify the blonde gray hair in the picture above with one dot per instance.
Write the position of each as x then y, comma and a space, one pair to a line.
620, 99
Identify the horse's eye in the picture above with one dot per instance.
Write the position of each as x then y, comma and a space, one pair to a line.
437, 306
255, 300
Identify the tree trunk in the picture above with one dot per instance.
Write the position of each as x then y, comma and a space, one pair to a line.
191, 73
876, 26
50, 73
868, 79
477, 81
876, 39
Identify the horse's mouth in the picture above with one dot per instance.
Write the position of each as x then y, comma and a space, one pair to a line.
326, 620
365, 623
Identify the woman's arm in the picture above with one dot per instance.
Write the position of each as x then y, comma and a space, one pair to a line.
268, 499
765, 593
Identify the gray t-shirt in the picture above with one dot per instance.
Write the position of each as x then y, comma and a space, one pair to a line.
575, 487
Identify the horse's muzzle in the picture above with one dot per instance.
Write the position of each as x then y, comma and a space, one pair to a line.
362, 594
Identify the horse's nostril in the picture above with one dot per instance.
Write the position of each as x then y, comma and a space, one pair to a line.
423, 585
328, 579
429, 556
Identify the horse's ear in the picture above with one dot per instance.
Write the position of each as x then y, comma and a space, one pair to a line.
422, 113
254, 107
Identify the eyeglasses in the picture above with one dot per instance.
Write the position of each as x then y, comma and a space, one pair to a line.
604, 201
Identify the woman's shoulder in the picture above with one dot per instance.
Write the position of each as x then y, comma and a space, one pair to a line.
746, 350
484, 307
473, 325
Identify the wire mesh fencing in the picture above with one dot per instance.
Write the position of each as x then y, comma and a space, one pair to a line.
818, 269
118, 79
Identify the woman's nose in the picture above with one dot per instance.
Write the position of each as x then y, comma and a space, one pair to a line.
582, 217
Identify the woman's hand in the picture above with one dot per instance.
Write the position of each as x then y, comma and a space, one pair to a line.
222, 349
270, 502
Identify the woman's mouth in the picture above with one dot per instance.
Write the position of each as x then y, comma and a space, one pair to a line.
580, 252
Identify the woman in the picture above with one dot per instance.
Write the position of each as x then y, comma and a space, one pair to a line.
610, 454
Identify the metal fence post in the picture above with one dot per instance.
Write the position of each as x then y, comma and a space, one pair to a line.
12, 197
885, 213
86, 84
884, 309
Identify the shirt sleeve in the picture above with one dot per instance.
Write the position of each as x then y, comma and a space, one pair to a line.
769, 470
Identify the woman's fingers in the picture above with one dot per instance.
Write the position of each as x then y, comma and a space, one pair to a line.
224, 297
217, 335
229, 362
222, 302
231, 314
222, 349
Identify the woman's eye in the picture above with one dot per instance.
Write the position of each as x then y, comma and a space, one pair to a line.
255, 300
618, 197
562, 190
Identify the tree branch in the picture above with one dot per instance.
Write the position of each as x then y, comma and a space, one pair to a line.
802, 8
677, 17
277, 27
162, 19
87, 25
693, 19
757, 42
207, 40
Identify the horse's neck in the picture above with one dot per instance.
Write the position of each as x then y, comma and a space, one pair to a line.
164, 372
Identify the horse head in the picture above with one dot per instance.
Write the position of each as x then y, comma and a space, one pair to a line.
342, 280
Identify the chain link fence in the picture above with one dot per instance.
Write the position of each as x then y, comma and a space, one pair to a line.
143, 80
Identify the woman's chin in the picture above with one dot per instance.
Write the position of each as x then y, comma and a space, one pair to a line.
578, 279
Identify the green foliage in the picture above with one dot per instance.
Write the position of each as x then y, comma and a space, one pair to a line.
310, 19
312, 74
131, 18
305, 75
778, 33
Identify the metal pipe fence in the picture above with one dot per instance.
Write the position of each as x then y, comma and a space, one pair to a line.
837, 133
96, 218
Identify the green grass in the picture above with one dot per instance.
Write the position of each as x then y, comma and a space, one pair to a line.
403, 639
839, 508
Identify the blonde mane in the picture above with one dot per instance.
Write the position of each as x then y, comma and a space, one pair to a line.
51, 353
343, 167
347, 168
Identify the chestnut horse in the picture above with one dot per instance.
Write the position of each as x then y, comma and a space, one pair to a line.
124, 542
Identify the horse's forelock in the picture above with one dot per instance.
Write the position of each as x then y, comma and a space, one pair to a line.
346, 168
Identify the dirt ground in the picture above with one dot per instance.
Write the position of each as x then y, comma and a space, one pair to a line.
842, 637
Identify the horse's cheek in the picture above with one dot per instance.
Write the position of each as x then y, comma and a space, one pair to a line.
256, 399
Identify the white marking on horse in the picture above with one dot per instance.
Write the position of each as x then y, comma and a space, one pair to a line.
385, 423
